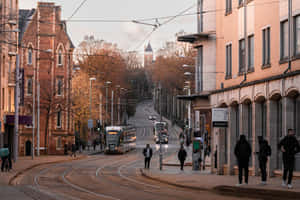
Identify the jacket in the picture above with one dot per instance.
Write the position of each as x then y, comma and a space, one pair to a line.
290, 145
264, 150
145, 152
182, 154
242, 149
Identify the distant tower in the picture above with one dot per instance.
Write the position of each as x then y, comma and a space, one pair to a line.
148, 55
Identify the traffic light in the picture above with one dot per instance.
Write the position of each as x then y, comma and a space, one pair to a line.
98, 125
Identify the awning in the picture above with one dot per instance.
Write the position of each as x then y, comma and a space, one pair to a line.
194, 96
23, 120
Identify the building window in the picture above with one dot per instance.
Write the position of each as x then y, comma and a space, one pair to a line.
228, 61
297, 35
251, 53
29, 60
266, 46
228, 6
58, 119
29, 85
60, 59
241, 56
59, 86
284, 38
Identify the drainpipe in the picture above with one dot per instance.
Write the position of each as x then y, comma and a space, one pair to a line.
246, 43
290, 38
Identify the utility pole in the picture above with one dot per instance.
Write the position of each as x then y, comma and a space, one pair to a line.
112, 108
16, 125
106, 104
100, 109
160, 110
119, 110
38, 121
33, 114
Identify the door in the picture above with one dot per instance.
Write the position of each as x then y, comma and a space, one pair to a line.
28, 148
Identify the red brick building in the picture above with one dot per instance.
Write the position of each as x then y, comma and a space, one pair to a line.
46, 53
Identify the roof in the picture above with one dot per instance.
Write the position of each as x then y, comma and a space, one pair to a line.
25, 17
148, 48
191, 38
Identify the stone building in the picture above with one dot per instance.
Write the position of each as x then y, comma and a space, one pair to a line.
8, 52
46, 54
258, 87
148, 55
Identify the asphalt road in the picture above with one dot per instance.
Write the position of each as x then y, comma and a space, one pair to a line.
110, 177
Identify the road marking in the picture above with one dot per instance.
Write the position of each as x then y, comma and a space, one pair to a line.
83, 189
133, 180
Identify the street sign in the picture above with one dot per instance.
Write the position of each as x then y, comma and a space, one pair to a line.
220, 117
90, 123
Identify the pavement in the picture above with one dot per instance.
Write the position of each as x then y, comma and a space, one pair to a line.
204, 180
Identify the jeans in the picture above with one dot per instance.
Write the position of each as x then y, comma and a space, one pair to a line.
288, 169
263, 169
243, 166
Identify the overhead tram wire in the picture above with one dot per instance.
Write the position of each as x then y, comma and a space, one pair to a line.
77, 9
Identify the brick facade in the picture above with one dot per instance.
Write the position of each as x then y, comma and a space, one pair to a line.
46, 57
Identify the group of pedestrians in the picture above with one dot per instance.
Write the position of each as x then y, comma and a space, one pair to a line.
289, 147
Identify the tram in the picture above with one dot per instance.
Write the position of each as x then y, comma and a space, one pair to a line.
161, 134
120, 139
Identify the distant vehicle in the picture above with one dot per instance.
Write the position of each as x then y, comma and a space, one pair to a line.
120, 139
152, 117
161, 133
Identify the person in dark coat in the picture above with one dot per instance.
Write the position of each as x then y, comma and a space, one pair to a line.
264, 152
181, 156
73, 149
148, 155
242, 152
289, 146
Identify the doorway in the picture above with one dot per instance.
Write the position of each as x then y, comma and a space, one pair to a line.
28, 148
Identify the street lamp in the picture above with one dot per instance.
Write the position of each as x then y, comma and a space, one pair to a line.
91, 79
107, 83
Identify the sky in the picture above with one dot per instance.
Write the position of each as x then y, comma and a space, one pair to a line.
129, 36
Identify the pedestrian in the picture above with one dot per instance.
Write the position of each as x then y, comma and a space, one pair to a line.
242, 152
148, 155
181, 138
94, 144
263, 153
181, 156
73, 150
289, 146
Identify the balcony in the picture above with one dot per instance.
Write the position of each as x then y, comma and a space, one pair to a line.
191, 38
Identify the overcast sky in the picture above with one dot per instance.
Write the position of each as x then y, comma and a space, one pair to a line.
126, 35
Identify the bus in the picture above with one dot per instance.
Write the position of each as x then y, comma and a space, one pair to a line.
119, 139
161, 127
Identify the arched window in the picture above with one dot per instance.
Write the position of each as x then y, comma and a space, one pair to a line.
60, 59
29, 59
58, 118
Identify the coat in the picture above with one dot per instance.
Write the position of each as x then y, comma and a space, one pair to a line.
242, 150
145, 152
182, 155
291, 146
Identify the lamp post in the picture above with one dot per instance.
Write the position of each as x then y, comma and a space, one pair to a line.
91, 79
160, 112
107, 83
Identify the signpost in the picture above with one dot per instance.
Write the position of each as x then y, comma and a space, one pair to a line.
220, 117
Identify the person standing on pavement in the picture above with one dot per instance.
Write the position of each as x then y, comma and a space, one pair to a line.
289, 146
148, 155
181, 138
242, 152
264, 152
73, 149
182, 156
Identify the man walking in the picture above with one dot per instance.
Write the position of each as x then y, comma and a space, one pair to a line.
264, 152
289, 146
147, 154
242, 152
181, 156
